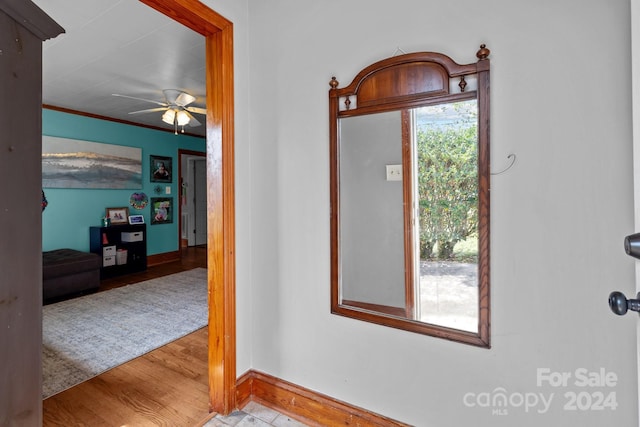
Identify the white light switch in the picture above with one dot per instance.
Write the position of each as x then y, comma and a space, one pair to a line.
167, 190
394, 172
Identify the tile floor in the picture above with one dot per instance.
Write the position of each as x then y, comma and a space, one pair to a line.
254, 414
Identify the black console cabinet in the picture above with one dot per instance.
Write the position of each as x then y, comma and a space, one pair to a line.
111, 242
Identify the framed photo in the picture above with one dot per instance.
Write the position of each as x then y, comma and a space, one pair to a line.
136, 219
118, 215
161, 210
160, 168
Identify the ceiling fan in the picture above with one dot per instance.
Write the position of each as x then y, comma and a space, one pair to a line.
177, 111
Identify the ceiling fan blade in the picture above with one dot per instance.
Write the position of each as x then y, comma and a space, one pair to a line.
150, 110
196, 110
164, 104
193, 122
177, 97
184, 99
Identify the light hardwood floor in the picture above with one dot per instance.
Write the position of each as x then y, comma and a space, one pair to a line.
166, 387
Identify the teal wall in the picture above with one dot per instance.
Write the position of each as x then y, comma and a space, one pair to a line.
70, 213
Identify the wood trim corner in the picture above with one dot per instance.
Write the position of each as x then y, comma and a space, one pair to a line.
244, 387
192, 14
304, 405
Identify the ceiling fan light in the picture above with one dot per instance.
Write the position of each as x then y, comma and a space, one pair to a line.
183, 118
169, 117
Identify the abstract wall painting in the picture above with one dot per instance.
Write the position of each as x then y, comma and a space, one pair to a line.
73, 163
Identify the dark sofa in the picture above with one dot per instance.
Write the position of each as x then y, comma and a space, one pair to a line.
68, 272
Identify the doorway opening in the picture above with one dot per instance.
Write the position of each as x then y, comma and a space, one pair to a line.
218, 32
193, 198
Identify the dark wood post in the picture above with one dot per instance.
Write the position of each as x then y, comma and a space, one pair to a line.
23, 28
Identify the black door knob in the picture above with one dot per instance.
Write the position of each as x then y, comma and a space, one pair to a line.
619, 303
632, 245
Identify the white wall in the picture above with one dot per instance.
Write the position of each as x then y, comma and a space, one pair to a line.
560, 102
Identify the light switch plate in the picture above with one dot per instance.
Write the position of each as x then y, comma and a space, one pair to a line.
394, 172
167, 190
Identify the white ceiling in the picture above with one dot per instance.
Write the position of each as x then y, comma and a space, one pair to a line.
123, 47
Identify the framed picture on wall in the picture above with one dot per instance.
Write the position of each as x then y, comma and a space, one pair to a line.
161, 210
160, 168
118, 215
112, 166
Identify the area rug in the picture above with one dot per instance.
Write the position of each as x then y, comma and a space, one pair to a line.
87, 336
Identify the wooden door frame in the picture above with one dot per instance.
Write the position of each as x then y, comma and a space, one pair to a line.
218, 32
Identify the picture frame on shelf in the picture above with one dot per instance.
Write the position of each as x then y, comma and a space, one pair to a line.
161, 210
136, 219
160, 169
118, 216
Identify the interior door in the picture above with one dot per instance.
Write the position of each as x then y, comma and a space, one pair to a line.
190, 204
200, 200
196, 206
